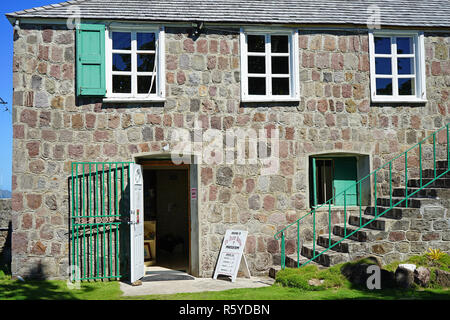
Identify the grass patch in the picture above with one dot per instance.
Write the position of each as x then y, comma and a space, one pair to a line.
57, 290
291, 284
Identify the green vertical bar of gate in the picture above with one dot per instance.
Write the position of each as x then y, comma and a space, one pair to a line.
116, 196
314, 181
117, 236
329, 224
375, 191
345, 213
72, 220
83, 213
283, 258
390, 184
88, 220
360, 205
110, 250
314, 232
434, 153
406, 179
109, 189
420, 162
448, 147
103, 251
77, 211
97, 213
298, 243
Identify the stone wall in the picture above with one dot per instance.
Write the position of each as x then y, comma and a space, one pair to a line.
5, 233
52, 128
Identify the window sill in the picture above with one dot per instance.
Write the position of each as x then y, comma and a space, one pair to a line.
249, 100
133, 100
387, 100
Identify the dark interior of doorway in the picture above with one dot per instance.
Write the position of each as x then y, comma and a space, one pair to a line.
166, 205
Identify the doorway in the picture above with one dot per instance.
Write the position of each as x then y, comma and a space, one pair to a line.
167, 215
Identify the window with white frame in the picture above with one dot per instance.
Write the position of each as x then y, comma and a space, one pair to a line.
135, 67
269, 66
397, 66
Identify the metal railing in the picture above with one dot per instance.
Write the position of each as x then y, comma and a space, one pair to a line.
373, 177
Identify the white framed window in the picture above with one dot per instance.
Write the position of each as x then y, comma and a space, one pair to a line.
269, 65
397, 66
135, 69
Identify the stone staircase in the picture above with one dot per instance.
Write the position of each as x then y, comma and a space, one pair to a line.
391, 227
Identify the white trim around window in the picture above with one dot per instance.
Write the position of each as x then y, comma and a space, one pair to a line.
265, 76
156, 75
397, 76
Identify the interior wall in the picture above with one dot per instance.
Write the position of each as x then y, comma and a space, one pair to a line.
172, 213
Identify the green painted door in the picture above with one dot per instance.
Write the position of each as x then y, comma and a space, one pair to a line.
345, 177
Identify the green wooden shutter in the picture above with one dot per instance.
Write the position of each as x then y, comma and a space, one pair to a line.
91, 60
345, 176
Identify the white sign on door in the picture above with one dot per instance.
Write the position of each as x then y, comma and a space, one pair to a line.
231, 255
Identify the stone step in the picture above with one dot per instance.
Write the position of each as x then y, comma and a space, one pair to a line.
412, 202
343, 245
327, 259
438, 183
429, 173
378, 224
442, 164
362, 235
343, 231
394, 213
273, 271
424, 193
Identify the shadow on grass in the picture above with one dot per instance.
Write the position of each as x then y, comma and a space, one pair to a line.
402, 294
39, 288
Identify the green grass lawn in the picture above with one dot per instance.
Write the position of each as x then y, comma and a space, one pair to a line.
58, 290
292, 284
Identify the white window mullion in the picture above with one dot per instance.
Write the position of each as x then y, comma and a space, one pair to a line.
244, 65
395, 92
268, 66
133, 64
108, 61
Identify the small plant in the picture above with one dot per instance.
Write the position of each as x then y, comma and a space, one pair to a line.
435, 254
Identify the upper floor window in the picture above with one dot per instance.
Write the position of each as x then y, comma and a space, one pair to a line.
134, 64
397, 66
269, 65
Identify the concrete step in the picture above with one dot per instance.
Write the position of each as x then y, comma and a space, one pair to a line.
327, 259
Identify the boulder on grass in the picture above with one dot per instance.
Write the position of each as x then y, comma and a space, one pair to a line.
442, 278
422, 276
404, 277
357, 274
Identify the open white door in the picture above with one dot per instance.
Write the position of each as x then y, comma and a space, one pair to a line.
136, 222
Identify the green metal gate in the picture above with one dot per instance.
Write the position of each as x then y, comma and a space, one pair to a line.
99, 202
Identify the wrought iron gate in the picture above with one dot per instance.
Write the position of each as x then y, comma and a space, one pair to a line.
99, 202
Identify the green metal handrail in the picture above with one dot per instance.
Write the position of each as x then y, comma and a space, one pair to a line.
358, 184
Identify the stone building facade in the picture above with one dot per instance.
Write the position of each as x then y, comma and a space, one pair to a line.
52, 128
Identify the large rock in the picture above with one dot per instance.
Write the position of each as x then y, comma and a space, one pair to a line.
422, 276
442, 278
357, 273
404, 277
